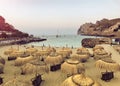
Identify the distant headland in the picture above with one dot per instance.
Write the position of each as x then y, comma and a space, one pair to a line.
13, 36
8, 31
104, 27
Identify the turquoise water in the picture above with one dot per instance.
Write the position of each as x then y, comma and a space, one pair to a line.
61, 41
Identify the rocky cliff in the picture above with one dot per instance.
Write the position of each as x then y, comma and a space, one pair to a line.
91, 42
7, 30
103, 27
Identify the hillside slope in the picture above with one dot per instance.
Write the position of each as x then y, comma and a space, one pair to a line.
7, 30
103, 27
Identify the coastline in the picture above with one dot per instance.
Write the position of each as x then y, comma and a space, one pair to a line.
20, 41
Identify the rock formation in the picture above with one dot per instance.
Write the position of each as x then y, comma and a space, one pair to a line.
103, 27
7, 30
91, 42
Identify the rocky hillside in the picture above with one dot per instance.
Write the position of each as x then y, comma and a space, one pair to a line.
103, 27
7, 30
91, 42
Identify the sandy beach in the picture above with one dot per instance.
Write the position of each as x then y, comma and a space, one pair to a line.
57, 77
59, 43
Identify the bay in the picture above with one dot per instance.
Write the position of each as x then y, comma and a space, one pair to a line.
62, 41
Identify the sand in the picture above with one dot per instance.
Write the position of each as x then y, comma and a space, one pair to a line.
57, 77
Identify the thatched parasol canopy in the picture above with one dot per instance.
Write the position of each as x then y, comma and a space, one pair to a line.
79, 80
97, 47
101, 54
107, 64
82, 51
80, 57
45, 52
31, 50
51, 49
9, 51
71, 67
34, 67
42, 53
53, 60
65, 52
17, 53
66, 49
21, 61
16, 82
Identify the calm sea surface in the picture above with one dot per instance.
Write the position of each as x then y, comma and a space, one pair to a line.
63, 40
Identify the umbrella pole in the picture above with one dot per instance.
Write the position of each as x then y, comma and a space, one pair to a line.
49, 46
36, 70
18, 47
42, 47
66, 45
11, 47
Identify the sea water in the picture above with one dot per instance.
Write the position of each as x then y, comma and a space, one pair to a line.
62, 41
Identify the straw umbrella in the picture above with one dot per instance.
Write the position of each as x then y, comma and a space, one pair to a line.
9, 51
82, 54
100, 51
80, 80
71, 67
101, 54
67, 49
107, 64
97, 47
42, 53
83, 51
16, 82
45, 52
65, 52
21, 61
34, 67
17, 53
51, 49
53, 60
13, 53
110, 66
80, 57
31, 50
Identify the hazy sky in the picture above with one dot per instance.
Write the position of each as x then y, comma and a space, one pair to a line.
43, 17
